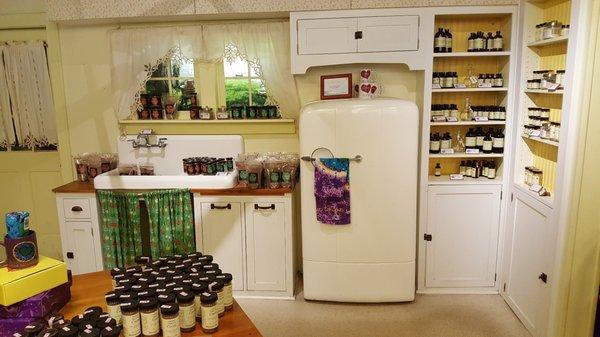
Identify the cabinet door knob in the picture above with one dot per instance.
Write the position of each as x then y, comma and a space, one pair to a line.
257, 207
543, 277
76, 209
213, 206
70, 255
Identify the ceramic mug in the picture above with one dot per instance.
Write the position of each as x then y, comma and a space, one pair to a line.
365, 74
375, 90
364, 90
20, 252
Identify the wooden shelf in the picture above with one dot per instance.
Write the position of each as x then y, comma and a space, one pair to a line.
211, 127
472, 54
445, 180
467, 123
554, 40
541, 140
470, 90
466, 155
543, 92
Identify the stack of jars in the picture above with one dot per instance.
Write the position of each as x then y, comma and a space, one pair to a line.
444, 110
169, 295
533, 176
89, 165
479, 42
551, 29
478, 169
491, 112
268, 170
446, 79
493, 80
207, 165
491, 141
545, 79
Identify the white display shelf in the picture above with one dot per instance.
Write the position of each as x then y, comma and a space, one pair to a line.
541, 140
467, 123
543, 91
470, 89
472, 54
466, 155
554, 40
445, 180
547, 200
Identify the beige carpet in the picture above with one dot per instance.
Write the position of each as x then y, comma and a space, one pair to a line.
428, 316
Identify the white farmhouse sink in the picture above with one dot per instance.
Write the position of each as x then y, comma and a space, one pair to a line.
168, 166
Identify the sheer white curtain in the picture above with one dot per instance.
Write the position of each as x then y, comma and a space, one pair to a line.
7, 134
28, 83
135, 52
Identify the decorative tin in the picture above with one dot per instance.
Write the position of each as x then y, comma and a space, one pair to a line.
237, 112
273, 112
144, 113
154, 99
252, 112
21, 252
194, 112
156, 112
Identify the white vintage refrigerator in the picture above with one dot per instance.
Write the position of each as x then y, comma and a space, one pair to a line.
373, 258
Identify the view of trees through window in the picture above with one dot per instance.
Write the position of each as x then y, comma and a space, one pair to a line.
242, 84
170, 78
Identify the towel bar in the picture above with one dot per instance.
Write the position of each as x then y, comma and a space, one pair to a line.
358, 158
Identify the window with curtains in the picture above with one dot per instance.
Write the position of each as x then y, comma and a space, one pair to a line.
26, 106
170, 77
243, 85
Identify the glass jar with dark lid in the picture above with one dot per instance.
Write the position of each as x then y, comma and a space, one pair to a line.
206, 278
210, 266
205, 259
131, 319
198, 288
128, 296
166, 298
169, 320
49, 332
227, 278
149, 317
210, 312
33, 329
110, 331
68, 331
217, 287
148, 293
187, 311
93, 332
103, 323
112, 306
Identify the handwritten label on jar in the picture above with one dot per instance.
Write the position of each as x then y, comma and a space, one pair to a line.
228, 295
481, 119
170, 327
451, 119
197, 305
114, 311
187, 316
150, 323
210, 317
220, 303
131, 325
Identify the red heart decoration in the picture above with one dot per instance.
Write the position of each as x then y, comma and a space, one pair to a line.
365, 88
373, 89
365, 73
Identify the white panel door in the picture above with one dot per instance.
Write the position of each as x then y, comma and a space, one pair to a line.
222, 238
326, 36
463, 222
81, 247
266, 246
388, 33
525, 291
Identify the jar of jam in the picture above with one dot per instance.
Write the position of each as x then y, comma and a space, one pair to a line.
252, 112
104, 322
166, 298
112, 306
194, 112
92, 332
110, 331
210, 313
169, 320
149, 317
131, 319
33, 329
187, 311
198, 288
227, 278
217, 287
68, 331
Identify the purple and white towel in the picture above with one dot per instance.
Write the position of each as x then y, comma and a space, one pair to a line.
332, 190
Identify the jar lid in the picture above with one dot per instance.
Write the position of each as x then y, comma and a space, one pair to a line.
128, 296
187, 282
110, 331
185, 296
194, 255
166, 298
213, 272
181, 288
68, 331
121, 289
156, 263
109, 321
131, 305
116, 271
169, 309
208, 297
154, 286
86, 324
210, 266
48, 332
205, 258
89, 333
206, 278
76, 319
33, 329
143, 259
148, 303
178, 278
197, 265
173, 272
137, 288
55, 318
146, 293
225, 277
215, 285
199, 287
126, 281
133, 270
163, 290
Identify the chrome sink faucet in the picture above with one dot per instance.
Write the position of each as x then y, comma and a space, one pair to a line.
143, 140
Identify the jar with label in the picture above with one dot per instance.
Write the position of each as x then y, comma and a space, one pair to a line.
498, 81
149, 317
198, 288
227, 279
498, 142
437, 170
446, 141
470, 139
487, 143
187, 311
217, 287
479, 135
210, 312
169, 320
112, 306
434, 143
552, 29
131, 319
491, 171
223, 113
560, 78
564, 31
89, 332
110, 331
498, 42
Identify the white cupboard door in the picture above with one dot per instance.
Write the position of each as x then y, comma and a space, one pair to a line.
463, 223
526, 293
388, 33
266, 246
326, 36
222, 238
81, 255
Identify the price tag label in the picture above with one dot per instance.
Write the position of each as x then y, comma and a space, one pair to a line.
438, 118
485, 85
447, 151
436, 86
472, 151
456, 177
535, 188
481, 119
535, 133
459, 86
553, 87
451, 119
222, 173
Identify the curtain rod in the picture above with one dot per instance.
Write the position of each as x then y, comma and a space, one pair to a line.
146, 25
7, 43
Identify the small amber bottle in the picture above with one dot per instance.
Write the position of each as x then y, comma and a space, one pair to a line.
210, 313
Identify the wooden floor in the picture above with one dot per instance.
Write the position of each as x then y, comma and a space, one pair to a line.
88, 290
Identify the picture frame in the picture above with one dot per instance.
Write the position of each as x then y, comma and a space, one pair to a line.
336, 86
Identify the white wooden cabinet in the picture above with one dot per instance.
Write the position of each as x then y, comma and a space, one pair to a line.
528, 261
462, 236
80, 232
326, 36
250, 237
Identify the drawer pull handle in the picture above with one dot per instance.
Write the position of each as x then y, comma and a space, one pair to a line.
213, 206
76, 209
70, 255
257, 207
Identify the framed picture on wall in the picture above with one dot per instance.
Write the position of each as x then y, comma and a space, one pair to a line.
336, 86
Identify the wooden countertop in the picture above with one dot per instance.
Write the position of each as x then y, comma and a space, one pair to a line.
88, 187
88, 290
76, 187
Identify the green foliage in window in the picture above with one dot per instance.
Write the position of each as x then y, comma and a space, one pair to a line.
236, 91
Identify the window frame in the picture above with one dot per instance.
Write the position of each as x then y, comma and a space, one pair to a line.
249, 78
170, 78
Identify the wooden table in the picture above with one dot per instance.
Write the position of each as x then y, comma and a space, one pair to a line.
88, 290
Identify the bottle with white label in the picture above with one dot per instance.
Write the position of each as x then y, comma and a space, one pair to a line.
487, 143
498, 142
169, 320
434, 143
131, 319
470, 139
446, 141
448, 41
227, 279
187, 311
479, 135
210, 312
439, 41
198, 288
438, 170
492, 171
149, 317
498, 42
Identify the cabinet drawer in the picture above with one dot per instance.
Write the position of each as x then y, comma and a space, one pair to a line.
77, 208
